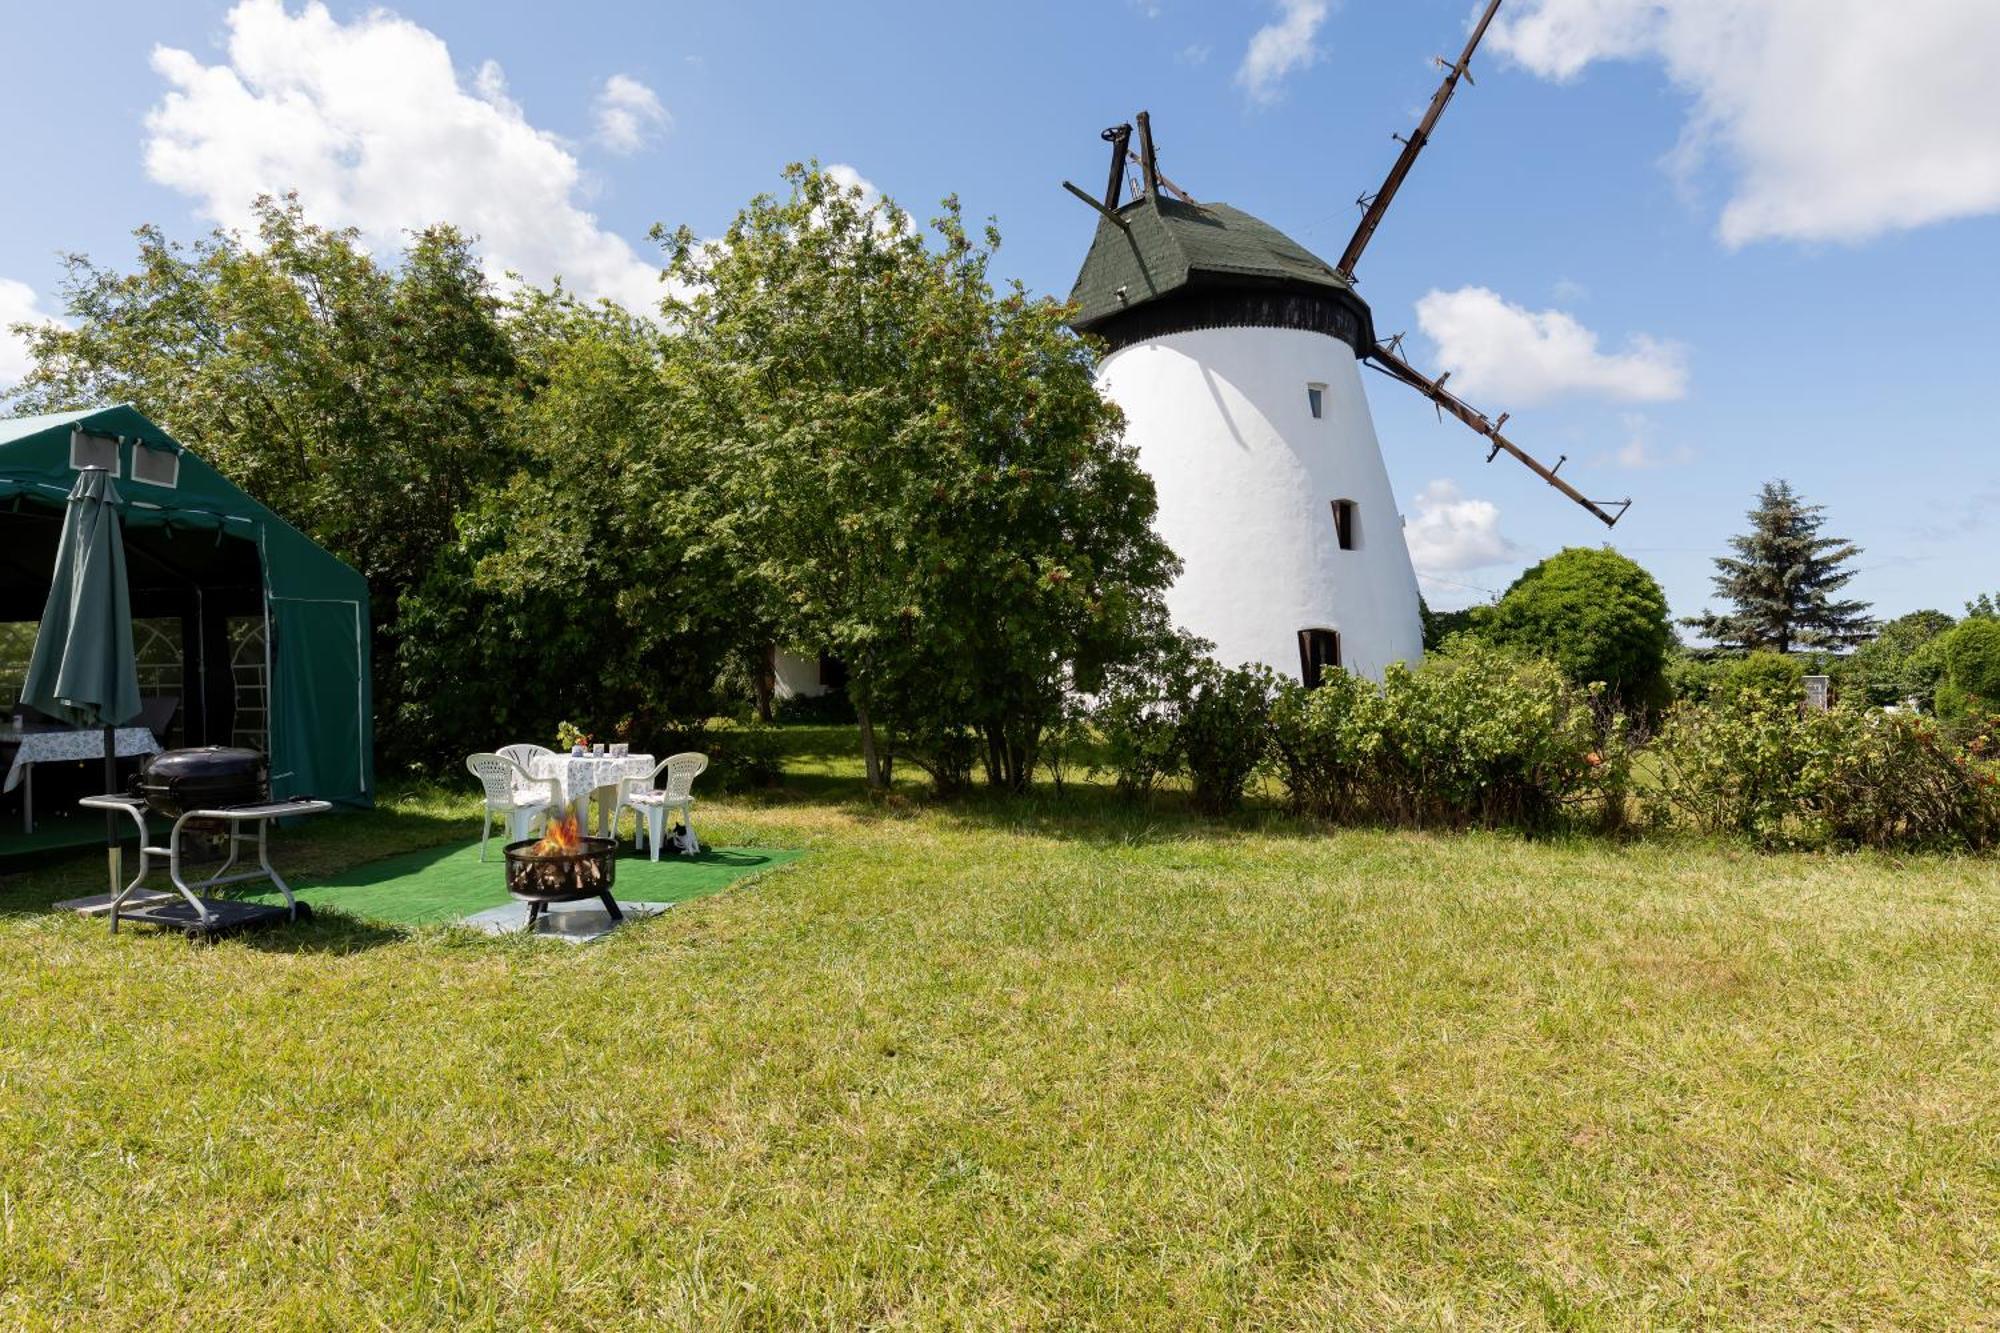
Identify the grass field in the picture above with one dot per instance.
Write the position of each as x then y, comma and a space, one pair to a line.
1029, 1065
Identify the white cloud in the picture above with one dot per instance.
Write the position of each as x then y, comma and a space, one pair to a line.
849, 178
629, 115
1492, 346
1281, 48
371, 124
1838, 120
18, 305
1451, 533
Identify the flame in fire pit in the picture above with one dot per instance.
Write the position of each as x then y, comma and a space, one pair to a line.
564, 838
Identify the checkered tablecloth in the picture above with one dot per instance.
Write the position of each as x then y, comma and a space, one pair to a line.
48, 747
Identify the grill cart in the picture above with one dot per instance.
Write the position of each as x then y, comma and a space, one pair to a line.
186, 909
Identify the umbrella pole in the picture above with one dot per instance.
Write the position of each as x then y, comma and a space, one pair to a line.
113, 854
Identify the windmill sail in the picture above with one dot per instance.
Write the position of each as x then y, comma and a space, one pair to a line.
1384, 357
1385, 360
1378, 204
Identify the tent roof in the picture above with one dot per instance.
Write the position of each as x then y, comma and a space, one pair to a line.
35, 465
1167, 244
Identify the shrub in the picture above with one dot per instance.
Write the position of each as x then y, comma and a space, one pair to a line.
1728, 766
1066, 740
743, 755
833, 708
1754, 764
1475, 735
1326, 744
1596, 613
1139, 715
1775, 678
1478, 735
1695, 677
1971, 656
1222, 737
1875, 779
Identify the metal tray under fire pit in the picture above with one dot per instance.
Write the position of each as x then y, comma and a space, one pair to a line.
563, 877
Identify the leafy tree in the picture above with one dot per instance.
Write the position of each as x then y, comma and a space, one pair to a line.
916, 473
1441, 625
573, 591
1782, 581
1597, 613
357, 399
1902, 662
1986, 606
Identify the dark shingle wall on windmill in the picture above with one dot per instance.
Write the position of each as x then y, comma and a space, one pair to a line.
1175, 266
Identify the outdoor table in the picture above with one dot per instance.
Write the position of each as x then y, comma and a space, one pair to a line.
61, 745
193, 912
580, 776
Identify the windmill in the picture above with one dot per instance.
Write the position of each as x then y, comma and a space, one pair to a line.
1235, 354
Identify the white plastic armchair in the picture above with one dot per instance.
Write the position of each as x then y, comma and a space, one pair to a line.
524, 754
649, 807
510, 793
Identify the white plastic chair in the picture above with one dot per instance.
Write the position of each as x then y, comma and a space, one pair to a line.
510, 792
649, 807
524, 754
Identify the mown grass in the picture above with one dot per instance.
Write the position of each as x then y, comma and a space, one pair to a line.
1030, 1065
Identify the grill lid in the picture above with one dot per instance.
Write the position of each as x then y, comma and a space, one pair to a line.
175, 781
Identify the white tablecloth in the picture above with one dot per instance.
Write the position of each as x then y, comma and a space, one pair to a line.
578, 776
47, 747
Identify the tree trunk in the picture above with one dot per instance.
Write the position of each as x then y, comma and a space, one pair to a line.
764, 682
871, 760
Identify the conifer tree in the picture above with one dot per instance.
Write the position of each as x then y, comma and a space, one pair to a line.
1782, 582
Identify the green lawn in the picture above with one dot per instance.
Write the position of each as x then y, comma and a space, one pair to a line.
1028, 1065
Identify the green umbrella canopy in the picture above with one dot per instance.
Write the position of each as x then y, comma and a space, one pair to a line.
83, 671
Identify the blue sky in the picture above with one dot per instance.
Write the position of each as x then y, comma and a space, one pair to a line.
1777, 219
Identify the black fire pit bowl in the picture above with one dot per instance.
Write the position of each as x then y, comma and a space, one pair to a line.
565, 877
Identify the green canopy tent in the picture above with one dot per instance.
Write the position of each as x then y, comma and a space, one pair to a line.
273, 630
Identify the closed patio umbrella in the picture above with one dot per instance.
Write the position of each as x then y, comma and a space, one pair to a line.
83, 671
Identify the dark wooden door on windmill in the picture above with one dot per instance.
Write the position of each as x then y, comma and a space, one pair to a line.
1319, 652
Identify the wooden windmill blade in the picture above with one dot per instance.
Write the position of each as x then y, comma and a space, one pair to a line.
1378, 203
1385, 359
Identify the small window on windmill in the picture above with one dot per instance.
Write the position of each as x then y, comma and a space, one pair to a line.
1316, 400
1319, 652
89, 449
156, 464
1347, 524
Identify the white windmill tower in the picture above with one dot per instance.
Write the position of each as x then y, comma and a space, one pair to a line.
1235, 353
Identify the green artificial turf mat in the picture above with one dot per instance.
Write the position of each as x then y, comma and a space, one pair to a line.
59, 834
442, 884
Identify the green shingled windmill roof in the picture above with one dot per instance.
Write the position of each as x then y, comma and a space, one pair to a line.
1167, 244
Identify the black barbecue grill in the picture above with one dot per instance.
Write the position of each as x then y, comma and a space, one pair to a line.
217, 791
174, 782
